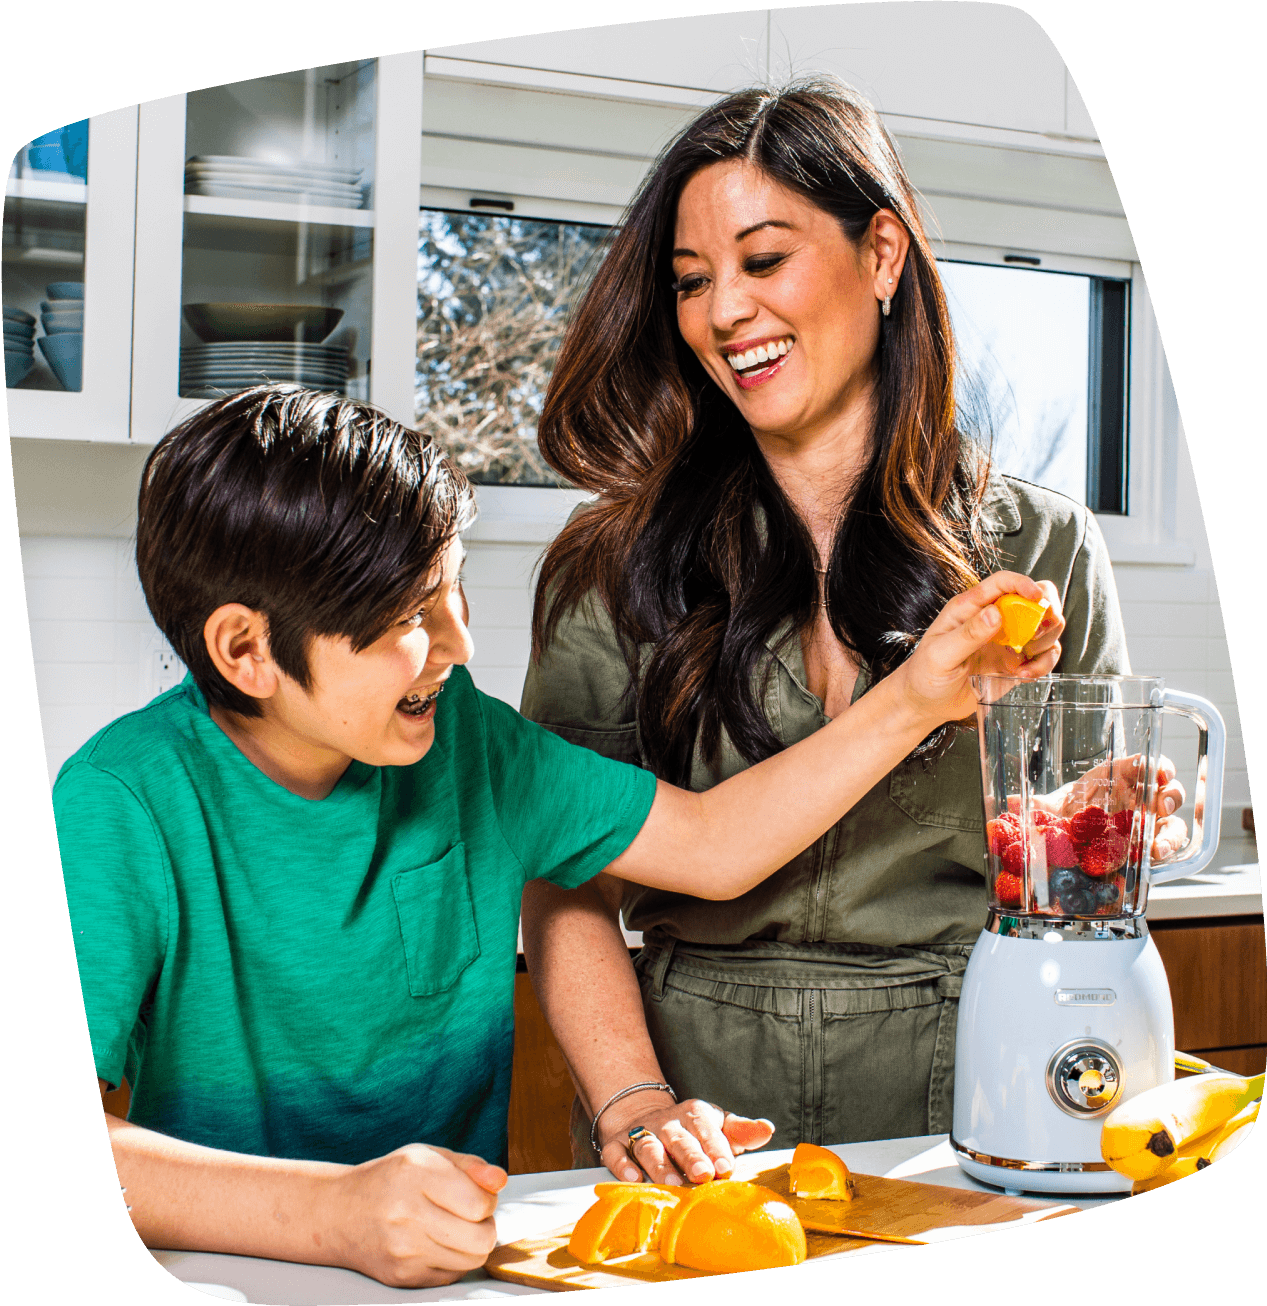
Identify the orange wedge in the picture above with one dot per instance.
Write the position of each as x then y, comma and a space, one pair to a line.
625, 1219
816, 1172
1021, 620
730, 1225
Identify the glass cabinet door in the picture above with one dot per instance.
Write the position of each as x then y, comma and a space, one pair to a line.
278, 238
66, 277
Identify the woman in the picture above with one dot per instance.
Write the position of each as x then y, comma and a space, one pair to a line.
760, 386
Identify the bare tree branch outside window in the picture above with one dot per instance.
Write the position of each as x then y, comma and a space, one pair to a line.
493, 297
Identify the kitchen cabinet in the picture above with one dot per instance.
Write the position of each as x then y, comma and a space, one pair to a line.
61, 227
168, 220
541, 1090
1218, 985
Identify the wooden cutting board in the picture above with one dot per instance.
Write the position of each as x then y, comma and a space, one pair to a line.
891, 1206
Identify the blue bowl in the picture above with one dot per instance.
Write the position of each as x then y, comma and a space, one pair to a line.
74, 143
65, 354
16, 366
65, 290
18, 315
47, 158
55, 322
19, 331
61, 305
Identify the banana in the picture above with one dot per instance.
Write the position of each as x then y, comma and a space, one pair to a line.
1203, 1151
1185, 1165
1192, 1063
1233, 1134
1142, 1137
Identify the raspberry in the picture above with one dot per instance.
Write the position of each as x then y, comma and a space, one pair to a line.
1122, 822
1087, 825
1007, 889
1060, 849
1104, 855
1014, 859
1044, 818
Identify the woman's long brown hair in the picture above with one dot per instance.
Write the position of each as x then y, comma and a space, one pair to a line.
693, 547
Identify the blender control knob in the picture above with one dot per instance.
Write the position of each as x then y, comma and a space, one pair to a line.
1084, 1077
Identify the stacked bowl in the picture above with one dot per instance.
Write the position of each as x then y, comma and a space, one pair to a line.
258, 344
62, 317
19, 345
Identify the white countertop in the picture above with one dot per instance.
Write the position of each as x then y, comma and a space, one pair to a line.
534, 1204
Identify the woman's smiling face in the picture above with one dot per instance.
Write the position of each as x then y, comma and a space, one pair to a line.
760, 269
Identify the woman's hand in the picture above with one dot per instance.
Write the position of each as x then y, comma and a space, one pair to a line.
936, 678
418, 1217
692, 1139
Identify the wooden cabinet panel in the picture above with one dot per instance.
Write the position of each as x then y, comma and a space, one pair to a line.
541, 1091
1218, 983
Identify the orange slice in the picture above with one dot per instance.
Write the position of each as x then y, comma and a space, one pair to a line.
625, 1219
730, 1225
1021, 620
816, 1172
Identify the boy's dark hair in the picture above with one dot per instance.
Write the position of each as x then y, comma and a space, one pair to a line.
318, 511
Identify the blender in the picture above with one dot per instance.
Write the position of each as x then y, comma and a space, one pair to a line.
1065, 1009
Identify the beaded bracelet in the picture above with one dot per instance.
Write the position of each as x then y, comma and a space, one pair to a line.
615, 1097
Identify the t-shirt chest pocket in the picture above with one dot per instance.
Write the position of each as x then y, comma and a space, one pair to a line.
946, 794
437, 922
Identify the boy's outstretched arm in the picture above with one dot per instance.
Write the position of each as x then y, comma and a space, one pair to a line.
417, 1217
721, 843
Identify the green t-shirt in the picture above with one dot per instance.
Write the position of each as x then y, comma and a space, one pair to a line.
321, 979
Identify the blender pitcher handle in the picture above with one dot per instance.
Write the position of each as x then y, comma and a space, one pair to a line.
1211, 744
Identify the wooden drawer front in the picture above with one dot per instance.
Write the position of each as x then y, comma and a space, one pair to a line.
1218, 983
541, 1091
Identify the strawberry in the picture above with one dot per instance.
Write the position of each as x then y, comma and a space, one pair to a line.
1122, 822
1060, 849
1104, 855
1087, 825
1014, 859
1001, 834
1007, 889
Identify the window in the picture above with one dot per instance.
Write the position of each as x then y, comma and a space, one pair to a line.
1043, 353
493, 296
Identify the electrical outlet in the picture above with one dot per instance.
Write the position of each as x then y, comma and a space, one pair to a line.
161, 669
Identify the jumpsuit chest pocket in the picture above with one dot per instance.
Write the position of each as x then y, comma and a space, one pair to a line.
946, 794
437, 922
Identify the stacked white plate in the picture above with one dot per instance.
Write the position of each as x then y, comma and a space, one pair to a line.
231, 177
210, 370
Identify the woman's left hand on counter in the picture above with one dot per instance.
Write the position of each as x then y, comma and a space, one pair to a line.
694, 1140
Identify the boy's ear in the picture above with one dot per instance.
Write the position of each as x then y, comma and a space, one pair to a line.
237, 642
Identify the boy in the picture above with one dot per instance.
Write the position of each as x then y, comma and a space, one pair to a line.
294, 880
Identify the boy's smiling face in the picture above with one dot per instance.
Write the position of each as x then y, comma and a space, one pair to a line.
376, 706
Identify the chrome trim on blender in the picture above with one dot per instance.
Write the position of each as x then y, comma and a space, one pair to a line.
1050, 1167
1069, 929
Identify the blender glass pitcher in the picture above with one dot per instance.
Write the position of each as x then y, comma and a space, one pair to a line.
1069, 770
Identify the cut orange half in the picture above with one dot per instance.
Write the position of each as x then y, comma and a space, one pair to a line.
816, 1172
730, 1225
625, 1219
1021, 620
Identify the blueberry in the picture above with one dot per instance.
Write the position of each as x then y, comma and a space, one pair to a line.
1061, 881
